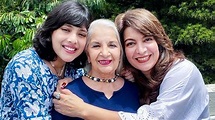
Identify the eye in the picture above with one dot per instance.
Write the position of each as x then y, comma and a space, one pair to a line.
146, 39
113, 45
95, 46
82, 35
129, 44
65, 29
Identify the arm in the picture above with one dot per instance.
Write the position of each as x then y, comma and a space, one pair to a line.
180, 94
71, 105
95, 113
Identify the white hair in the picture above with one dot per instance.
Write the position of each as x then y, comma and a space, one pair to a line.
104, 23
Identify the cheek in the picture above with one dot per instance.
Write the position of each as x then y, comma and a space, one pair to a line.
82, 44
155, 51
92, 56
117, 55
129, 53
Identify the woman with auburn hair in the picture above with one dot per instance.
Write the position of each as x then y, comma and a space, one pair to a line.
171, 87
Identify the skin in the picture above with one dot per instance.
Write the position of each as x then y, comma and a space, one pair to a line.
68, 43
113, 46
104, 52
141, 51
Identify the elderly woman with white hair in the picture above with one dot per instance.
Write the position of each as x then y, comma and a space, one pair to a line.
101, 85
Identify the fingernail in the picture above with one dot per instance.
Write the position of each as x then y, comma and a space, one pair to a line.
63, 85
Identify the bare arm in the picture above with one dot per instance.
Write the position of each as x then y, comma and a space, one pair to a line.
96, 113
73, 106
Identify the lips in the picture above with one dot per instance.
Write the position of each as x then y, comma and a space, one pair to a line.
104, 62
70, 49
143, 59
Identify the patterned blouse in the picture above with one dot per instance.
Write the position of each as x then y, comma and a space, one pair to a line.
27, 87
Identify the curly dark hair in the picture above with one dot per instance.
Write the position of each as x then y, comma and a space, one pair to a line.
69, 12
147, 24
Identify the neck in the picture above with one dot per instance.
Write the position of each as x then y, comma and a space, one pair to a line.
58, 63
58, 67
101, 75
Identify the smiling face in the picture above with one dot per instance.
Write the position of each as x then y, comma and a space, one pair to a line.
141, 51
103, 51
68, 42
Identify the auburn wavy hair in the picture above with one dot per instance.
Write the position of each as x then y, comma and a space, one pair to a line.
147, 24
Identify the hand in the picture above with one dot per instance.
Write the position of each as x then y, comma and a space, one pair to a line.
62, 83
127, 75
69, 104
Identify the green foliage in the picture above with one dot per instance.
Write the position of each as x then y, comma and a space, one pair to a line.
18, 27
19, 21
195, 34
192, 29
190, 25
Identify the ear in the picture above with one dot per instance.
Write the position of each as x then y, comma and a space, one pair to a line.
88, 59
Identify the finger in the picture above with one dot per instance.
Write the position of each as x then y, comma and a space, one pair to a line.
66, 92
56, 103
130, 79
57, 95
62, 94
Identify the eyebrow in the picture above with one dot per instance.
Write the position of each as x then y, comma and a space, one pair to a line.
113, 42
129, 39
80, 28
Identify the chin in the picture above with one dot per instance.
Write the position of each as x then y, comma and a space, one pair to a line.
68, 59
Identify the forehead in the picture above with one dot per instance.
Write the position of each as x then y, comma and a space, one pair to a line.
103, 34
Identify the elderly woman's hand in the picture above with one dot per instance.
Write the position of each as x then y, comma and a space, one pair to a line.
68, 104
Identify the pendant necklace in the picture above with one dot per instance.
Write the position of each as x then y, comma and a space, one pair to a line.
60, 72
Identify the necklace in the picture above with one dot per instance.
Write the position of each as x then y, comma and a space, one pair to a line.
60, 72
101, 80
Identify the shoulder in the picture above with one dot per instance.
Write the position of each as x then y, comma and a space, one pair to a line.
182, 63
23, 65
182, 73
75, 83
25, 61
30, 52
183, 67
27, 57
78, 87
74, 72
130, 85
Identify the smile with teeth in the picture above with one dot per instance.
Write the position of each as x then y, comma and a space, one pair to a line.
104, 62
69, 48
143, 59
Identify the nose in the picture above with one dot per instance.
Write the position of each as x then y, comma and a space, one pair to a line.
72, 38
140, 49
104, 52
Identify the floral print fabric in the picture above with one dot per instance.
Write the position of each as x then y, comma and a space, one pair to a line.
28, 86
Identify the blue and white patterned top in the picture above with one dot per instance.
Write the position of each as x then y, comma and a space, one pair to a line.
27, 87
